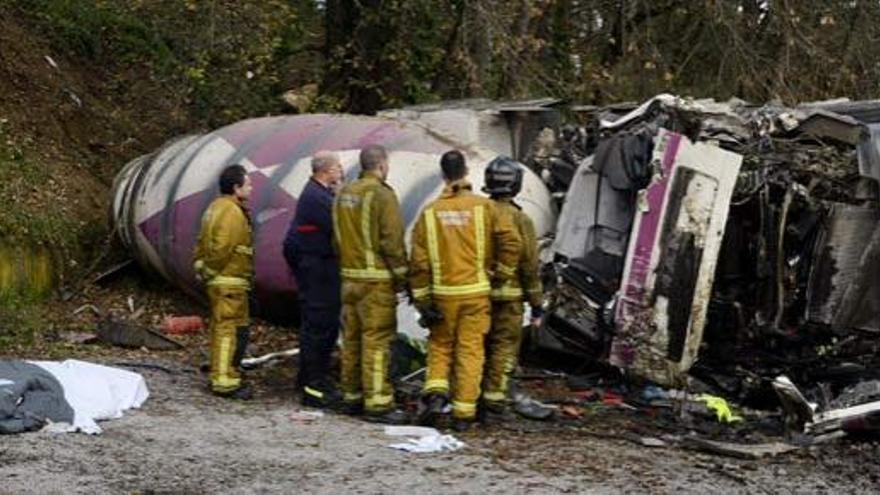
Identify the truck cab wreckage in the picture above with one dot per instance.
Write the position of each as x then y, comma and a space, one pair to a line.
727, 244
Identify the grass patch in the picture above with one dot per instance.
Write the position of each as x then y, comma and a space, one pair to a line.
32, 215
22, 320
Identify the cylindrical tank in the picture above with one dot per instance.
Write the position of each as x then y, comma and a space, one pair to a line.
158, 199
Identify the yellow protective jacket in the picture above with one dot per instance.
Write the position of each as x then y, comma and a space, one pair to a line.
223, 256
368, 231
461, 245
526, 284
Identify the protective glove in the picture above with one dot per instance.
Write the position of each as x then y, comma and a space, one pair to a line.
537, 316
402, 287
429, 315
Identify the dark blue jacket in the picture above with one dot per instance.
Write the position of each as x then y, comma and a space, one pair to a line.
311, 231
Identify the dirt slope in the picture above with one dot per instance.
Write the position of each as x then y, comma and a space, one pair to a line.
80, 121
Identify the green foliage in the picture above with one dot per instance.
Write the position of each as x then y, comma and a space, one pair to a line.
20, 321
22, 219
94, 29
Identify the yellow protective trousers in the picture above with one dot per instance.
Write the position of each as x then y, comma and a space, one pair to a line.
369, 323
502, 349
229, 311
457, 344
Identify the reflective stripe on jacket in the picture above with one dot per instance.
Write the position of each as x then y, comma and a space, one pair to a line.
526, 284
223, 256
461, 245
368, 231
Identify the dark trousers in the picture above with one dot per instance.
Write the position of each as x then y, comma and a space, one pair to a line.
319, 297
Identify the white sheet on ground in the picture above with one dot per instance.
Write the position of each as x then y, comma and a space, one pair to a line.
96, 392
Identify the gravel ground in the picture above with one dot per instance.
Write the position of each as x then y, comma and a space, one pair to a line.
185, 441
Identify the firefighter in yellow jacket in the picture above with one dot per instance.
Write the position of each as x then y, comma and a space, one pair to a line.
461, 246
223, 261
503, 181
368, 234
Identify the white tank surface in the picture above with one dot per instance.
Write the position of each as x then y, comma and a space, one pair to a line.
158, 199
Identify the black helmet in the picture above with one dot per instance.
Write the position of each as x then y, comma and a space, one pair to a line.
503, 177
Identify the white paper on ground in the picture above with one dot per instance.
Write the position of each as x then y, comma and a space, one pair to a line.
96, 392
410, 431
4, 381
429, 444
305, 416
423, 440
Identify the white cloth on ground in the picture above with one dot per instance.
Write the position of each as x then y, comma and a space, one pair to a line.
96, 392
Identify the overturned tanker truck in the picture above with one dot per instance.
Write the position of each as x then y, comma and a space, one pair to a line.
158, 199
726, 242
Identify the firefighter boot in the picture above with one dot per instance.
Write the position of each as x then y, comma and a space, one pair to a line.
322, 394
431, 406
494, 412
391, 417
242, 336
353, 408
462, 425
244, 392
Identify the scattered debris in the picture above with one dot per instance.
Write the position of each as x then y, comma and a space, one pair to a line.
423, 440
571, 411
530, 408
305, 416
268, 359
740, 451
652, 442
182, 324
112, 272
79, 337
415, 374
132, 335
856, 409
94, 309
721, 408
410, 431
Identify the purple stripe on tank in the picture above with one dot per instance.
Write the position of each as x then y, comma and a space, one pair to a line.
282, 144
241, 132
303, 135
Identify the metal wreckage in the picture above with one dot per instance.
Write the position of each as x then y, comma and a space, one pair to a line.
719, 247
726, 247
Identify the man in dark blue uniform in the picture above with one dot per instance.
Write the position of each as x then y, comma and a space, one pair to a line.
309, 252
